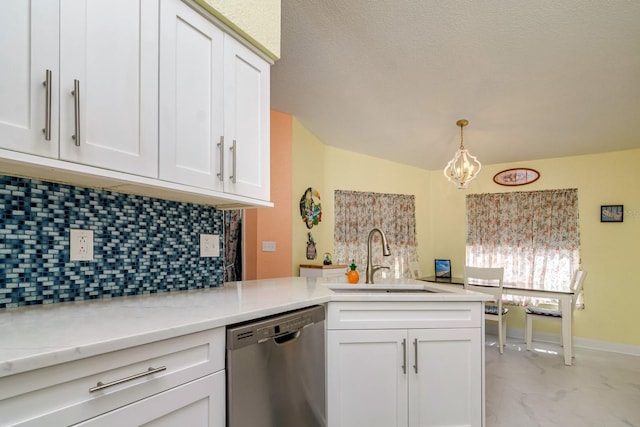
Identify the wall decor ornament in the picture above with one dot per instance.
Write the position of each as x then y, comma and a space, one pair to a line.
310, 208
516, 176
312, 253
611, 213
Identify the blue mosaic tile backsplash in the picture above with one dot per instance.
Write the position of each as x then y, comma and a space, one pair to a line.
141, 245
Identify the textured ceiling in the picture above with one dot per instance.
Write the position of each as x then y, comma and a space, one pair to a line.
536, 79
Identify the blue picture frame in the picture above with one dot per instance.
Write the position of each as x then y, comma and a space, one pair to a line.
443, 268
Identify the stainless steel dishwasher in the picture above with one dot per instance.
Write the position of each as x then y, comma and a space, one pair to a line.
276, 371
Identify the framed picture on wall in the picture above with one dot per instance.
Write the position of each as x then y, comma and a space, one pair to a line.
611, 213
443, 268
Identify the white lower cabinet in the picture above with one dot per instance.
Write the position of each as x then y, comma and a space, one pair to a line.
404, 376
196, 404
178, 381
366, 385
445, 377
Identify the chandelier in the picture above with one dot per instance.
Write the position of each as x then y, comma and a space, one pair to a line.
464, 167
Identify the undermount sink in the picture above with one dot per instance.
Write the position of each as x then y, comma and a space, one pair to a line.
389, 291
382, 288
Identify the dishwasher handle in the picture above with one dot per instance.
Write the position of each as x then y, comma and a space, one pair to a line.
287, 338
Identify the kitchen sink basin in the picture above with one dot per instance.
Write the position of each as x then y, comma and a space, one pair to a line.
378, 291
402, 288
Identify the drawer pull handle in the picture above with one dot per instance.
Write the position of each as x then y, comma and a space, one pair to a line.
101, 385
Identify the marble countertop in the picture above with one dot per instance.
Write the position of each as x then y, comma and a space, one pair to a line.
39, 336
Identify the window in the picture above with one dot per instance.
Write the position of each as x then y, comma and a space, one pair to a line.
357, 213
534, 235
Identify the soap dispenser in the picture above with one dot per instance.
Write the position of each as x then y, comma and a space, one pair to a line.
353, 276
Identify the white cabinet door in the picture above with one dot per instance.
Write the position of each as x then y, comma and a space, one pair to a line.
109, 84
367, 382
246, 122
200, 403
214, 107
29, 33
191, 98
445, 377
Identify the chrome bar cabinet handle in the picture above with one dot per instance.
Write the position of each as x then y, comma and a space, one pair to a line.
101, 386
221, 152
234, 151
47, 105
404, 355
415, 349
76, 108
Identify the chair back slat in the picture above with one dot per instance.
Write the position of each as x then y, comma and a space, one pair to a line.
490, 279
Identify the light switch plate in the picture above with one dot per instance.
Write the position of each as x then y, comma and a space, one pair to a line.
80, 245
268, 246
209, 245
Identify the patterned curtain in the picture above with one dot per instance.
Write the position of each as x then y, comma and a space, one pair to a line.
357, 213
232, 245
534, 235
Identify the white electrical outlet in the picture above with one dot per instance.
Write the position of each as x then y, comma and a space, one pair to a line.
209, 245
80, 245
268, 246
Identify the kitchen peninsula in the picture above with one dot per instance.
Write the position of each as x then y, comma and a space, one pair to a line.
50, 356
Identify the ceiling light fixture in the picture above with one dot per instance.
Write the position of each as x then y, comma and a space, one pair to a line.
464, 167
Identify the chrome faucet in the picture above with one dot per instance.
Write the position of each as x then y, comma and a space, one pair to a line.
371, 269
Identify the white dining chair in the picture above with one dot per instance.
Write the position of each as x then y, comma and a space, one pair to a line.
489, 281
554, 314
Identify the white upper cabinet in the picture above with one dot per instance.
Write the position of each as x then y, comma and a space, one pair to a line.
191, 90
151, 97
109, 84
25, 107
214, 107
246, 121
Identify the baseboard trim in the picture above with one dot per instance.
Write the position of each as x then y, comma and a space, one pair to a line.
612, 347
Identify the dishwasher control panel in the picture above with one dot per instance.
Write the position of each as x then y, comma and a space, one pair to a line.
261, 330
284, 328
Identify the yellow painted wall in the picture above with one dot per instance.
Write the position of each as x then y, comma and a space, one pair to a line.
609, 251
328, 169
308, 171
258, 21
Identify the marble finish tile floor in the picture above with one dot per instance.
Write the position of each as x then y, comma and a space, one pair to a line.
534, 388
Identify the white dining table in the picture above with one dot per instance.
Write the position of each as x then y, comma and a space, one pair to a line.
564, 298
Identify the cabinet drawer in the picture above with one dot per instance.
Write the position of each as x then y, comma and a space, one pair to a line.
198, 403
62, 391
404, 315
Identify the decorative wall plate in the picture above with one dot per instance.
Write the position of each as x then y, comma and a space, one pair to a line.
310, 208
516, 176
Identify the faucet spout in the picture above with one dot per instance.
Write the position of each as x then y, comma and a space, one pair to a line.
386, 251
